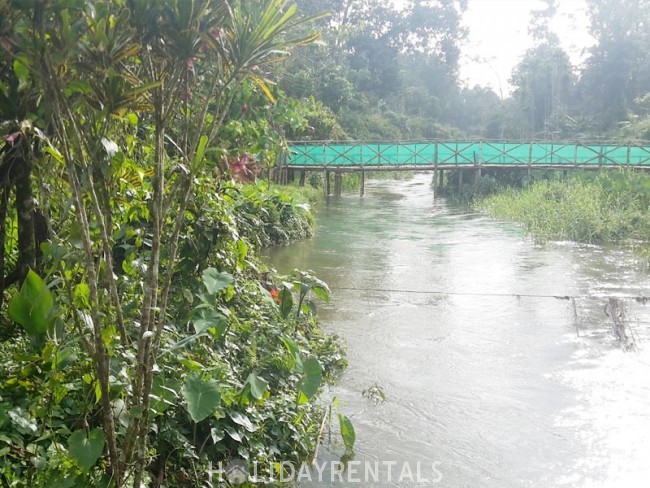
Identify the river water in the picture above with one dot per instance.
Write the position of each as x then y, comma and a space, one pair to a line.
488, 380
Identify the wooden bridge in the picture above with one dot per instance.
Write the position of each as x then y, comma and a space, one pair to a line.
338, 157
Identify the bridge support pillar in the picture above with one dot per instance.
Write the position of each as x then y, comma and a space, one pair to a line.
435, 182
362, 183
281, 175
338, 184
441, 181
460, 179
302, 177
326, 184
477, 176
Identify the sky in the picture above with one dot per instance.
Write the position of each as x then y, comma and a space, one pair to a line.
498, 37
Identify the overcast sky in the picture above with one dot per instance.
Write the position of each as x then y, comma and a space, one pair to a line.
498, 37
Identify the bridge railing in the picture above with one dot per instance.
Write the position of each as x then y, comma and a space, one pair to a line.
461, 153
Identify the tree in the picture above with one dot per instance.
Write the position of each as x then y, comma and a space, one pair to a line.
543, 83
616, 71
543, 79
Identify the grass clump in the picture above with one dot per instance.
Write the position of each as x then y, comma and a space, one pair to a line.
592, 208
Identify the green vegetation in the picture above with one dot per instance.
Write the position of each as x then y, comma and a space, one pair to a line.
387, 73
142, 340
607, 207
273, 215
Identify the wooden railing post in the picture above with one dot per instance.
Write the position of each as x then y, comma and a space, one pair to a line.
600, 157
629, 155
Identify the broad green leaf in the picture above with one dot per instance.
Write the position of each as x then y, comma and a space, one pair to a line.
292, 347
86, 449
208, 318
266, 294
187, 294
39, 462
235, 434
321, 292
32, 306
285, 299
164, 394
22, 420
216, 281
309, 306
243, 420
202, 397
217, 434
258, 386
311, 378
64, 358
347, 432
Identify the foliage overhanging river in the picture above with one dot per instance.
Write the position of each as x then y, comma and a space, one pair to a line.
499, 388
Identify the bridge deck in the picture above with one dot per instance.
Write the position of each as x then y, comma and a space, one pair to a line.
353, 156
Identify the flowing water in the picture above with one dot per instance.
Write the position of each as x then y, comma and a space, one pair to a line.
491, 377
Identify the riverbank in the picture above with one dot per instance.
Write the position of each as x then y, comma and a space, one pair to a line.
608, 207
239, 370
274, 215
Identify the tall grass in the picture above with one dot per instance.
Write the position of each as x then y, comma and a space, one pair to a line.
605, 207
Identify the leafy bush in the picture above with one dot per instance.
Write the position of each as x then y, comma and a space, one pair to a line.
229, 376
271, 216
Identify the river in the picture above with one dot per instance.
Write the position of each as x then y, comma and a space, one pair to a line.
488, 379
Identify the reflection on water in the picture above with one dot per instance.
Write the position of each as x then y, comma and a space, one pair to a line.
488, 375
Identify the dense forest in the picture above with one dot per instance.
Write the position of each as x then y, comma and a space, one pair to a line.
383, 73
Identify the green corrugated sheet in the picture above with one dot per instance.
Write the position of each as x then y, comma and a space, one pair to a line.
465, 153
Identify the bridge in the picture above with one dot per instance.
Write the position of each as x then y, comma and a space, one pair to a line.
337, 157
